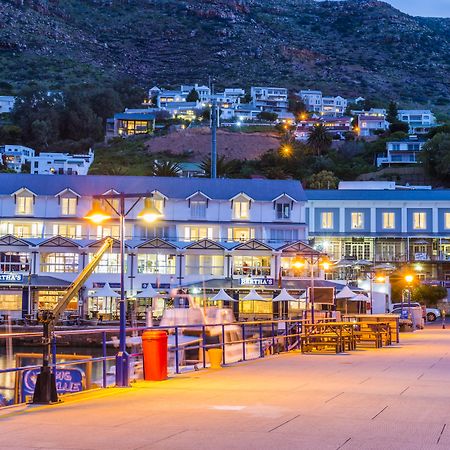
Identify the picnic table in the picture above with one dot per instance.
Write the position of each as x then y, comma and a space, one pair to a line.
392, 319
378, 333
326, 336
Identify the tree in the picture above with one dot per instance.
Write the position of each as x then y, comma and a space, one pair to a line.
397, 126
269, 116
247, 98
193, 96
392, 112
319, 140
10, 134
224, 168
435, 156
165, 169
296, 105
324, 179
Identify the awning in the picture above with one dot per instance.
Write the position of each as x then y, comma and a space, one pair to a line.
223, 296
284, 296
253, 295
105, 291
346, 293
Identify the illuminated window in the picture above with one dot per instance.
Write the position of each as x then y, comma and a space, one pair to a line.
27, 230
67, 230
388, 220
156, 263
241, 234
241, 209
12, 301
419, 221
251, 265
68, 206
197, 233
108, 231
357, 219
49, 299
14, 262
24, 205
110, 263
327, 221
283, 210
447, 220
59, 262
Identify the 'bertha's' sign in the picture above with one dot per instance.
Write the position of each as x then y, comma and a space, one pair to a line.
250, 281
11, 278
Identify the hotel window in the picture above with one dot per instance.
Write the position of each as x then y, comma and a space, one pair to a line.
49, 299
68, 206
24, 205
288, 235
241, 234
156, 263
197, 233
198, 209
419, 221
204, 265
326, 222
110, 263
447, 220
14, 262
27, 230
251, 265
241, 209
283, 210
67, 230
11, 301
59, 262
357, 219
388, 220
108, 231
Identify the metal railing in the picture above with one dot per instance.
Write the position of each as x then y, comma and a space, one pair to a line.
187, 349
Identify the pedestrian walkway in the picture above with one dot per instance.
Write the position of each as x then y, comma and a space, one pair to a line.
391, 398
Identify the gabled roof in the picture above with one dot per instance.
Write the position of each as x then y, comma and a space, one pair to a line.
9, 239
200, 193
253, 244
242, 194
173, 187
157, 192
99, 243
67, 190
22, 189
205, 244
299, 247
156, 243
284, 195
58, 241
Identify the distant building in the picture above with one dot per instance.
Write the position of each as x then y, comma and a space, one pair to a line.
270, 99
15, 156
240, 112
402, 151
191, 169
61, 163
132, 122
337, 126
316, 102
420, 121
370, 122
6, 103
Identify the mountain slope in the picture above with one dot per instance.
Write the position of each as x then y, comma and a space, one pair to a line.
355, 47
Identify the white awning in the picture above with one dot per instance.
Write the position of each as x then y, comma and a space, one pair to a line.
284, 296
359, 298
346, 292
223, 296
148, 292
105, 291
253, 295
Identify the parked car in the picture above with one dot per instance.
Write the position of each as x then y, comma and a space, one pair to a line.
431, 314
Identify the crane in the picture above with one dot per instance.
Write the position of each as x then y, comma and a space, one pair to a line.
45, 389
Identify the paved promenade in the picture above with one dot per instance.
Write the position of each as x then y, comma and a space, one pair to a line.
393, 398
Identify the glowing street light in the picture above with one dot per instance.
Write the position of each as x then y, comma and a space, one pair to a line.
149, 214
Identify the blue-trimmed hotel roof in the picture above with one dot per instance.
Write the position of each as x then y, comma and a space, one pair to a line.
172, 187
373, 194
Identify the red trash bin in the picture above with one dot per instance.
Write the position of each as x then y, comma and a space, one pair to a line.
154, 349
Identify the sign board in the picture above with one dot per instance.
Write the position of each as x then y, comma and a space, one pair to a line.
324, 295
11, 277
68, 381
251, 281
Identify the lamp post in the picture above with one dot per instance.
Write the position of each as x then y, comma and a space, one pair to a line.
312, 260
409, 280
97, 215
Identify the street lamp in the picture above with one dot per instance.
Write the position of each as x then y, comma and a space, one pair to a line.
409, 280
97, 215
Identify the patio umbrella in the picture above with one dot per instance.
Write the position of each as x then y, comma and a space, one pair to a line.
345, 293
284, 296
148, 292
344, 263
253, 295
363, 262
223, 296
385, 266
359, 298
105, 292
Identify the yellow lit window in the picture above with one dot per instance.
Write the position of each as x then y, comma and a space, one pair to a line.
24, 205
388, 220
327, 220
357, 220
447, 220
241, 209
419, 221
68, 206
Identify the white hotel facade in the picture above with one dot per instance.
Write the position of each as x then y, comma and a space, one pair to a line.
212, 231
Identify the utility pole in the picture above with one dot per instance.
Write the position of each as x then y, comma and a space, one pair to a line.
213, 135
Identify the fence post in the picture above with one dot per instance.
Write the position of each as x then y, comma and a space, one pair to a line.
54, 353
286, 339
273, 338
104, 358
203, 345
243, 342
223, 344
177, 361
261, 350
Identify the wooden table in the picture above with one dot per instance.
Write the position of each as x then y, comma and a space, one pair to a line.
335, 335
392, 319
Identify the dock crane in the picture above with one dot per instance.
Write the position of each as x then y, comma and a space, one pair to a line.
45, 389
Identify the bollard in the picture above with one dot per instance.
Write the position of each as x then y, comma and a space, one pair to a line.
154, 349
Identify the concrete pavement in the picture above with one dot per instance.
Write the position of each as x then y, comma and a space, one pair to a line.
392, 398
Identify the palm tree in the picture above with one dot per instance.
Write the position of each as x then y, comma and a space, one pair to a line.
224, 168
165, 169
319, 140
